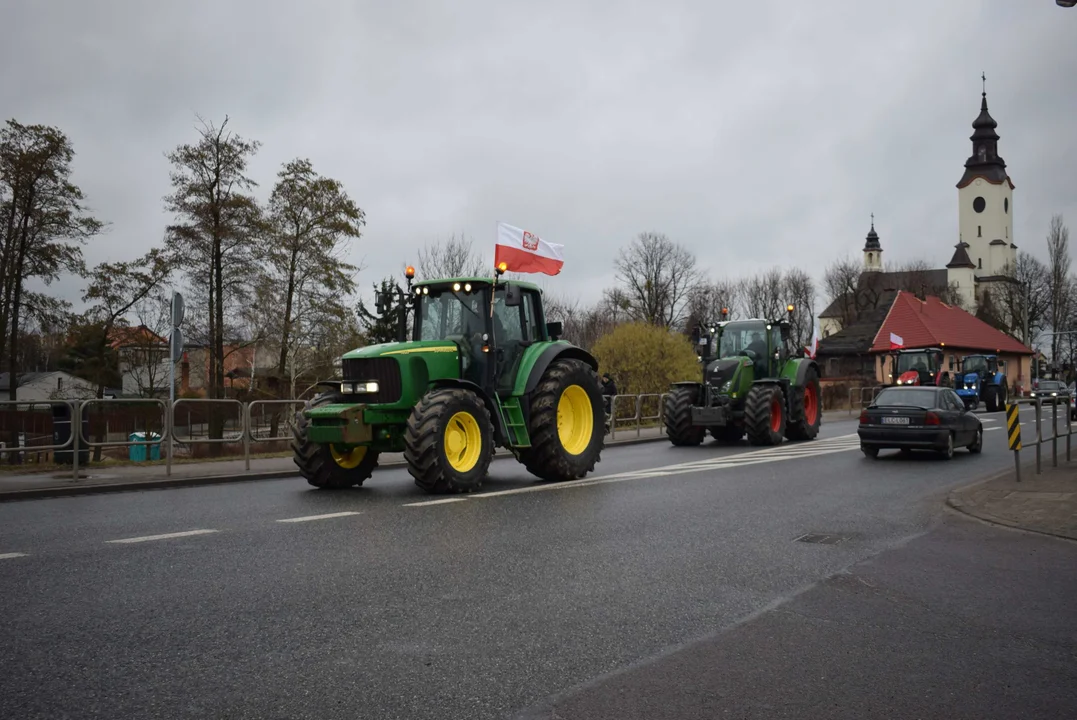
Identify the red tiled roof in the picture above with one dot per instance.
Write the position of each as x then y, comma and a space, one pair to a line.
139, 336
934, 323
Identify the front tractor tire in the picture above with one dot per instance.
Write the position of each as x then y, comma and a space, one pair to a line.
806, 410
678, 417
327, 466
449, 441
566, 424
765, 415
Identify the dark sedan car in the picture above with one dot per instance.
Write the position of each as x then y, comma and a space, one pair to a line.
919, 418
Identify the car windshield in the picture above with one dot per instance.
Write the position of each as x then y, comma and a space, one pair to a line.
974, 365
738, 336
447, 315
921, 362
910, 397
1051, 386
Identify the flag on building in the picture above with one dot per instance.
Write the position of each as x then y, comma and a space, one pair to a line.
525, 252
896, 341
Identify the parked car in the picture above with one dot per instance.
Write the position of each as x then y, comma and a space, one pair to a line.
919, 418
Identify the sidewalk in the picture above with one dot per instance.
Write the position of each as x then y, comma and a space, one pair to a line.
132, 477
1045, 503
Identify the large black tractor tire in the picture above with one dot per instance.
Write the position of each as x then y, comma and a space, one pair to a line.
994, 398
805, 409
677, 416
324, 466
765, 415
449, 441
566, 424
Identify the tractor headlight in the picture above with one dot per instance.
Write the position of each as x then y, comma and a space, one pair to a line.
356, 388
728, 384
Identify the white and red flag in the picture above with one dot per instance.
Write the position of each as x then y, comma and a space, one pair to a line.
814, 347
896, 341
525, 252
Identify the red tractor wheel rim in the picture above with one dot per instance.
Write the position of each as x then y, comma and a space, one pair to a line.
775, 415
811, 404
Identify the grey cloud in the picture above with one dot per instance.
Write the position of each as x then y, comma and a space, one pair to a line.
753, 133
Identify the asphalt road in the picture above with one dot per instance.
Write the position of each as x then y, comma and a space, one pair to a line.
272, 600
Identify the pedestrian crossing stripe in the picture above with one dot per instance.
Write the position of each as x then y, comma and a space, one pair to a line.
1013, 426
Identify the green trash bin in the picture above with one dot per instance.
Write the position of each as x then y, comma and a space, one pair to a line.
137, 453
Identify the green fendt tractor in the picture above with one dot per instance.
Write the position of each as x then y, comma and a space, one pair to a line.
482, 370
754, 383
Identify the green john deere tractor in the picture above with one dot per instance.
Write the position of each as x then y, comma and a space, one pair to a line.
482, 370
753, 383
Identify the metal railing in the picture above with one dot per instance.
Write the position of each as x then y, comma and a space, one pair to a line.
864, 396
638, 418
239, 426
1014, 438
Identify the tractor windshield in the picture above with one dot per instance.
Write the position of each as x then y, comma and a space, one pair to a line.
920, 362
974, 364
740, 338
447, 315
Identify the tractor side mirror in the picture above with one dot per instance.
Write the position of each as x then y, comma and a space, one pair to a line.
785, 328
382, 302
554, 330
514, 297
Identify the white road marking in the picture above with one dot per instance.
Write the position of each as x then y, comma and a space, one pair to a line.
992, 429
166, 536
10, 556
318, 517
442, 501
829, 446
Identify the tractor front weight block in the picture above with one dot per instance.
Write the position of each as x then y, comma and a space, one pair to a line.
706, 416
340, 425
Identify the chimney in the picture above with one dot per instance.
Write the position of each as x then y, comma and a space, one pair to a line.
185, 374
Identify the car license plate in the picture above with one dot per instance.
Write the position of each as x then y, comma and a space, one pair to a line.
895, 421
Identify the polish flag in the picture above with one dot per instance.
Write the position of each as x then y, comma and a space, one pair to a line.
525, 252
896, 341
814, 347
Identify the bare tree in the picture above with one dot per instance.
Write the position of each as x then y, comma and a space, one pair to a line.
764, 294
43, 223
455, 257
656, 276
841, 285
216, 237
799, 291
312, 220
146, 360
707, 300
1059, 283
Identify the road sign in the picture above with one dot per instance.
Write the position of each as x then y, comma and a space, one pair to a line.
177, 345
1013, 427
177, 310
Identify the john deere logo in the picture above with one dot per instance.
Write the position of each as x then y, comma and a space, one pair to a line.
530, 241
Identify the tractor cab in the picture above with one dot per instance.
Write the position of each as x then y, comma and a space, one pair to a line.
980, 365
491, 337
764, 342
922, 366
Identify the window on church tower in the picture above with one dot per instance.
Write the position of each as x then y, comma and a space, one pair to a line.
979, 231
980, 263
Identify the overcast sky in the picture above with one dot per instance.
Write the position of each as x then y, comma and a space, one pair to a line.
754, 133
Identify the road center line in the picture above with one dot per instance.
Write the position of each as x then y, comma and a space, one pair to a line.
166, 536
318, 517
442, 501
11, 556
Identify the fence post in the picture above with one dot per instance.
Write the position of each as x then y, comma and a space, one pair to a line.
245, 419
1013, 432
76, 435
1054, 433
1039, 435
170, 422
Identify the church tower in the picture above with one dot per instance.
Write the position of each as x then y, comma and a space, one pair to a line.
873, 251
985, 202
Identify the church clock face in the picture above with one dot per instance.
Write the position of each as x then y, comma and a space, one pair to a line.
979, 204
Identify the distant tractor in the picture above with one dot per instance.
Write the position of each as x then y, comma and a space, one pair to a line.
982, 379
482, 369
920, 366
753, 384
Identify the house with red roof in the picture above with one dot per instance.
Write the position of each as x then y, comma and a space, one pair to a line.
903, 319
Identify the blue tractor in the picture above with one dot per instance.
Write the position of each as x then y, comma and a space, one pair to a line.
982, 378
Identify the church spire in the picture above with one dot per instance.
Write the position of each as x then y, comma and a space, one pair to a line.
985, 161
873, 250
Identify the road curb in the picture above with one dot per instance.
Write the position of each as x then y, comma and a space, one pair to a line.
953, 501
161, 483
